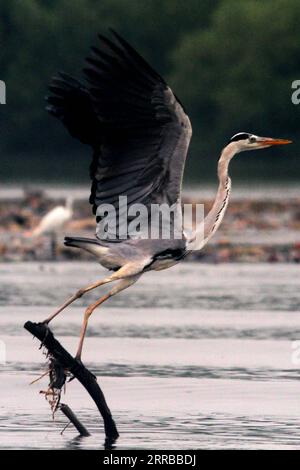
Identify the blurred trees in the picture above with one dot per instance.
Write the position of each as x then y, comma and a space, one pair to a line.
236, 74
232, 64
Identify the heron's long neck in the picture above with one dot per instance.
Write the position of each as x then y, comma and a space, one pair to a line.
212, 221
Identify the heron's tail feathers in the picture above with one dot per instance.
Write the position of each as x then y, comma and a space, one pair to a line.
91, 245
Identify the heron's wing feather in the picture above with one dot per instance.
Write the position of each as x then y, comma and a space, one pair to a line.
146, 131
71, 103
139, 131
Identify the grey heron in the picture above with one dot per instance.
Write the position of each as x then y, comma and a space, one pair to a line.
139, 133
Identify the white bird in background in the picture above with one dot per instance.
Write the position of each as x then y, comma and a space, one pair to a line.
54, 221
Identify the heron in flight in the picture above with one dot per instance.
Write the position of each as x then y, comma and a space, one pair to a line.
139, 133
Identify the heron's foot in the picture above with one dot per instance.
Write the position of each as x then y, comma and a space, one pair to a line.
78, 359
49, 319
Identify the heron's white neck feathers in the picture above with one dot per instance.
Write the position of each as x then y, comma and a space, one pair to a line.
212, 221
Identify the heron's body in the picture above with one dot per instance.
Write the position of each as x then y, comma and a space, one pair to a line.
157, 254
139, 133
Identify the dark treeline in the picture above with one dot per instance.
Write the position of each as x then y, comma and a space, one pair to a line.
231, 62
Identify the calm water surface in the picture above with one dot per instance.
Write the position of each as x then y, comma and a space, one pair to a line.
199, 356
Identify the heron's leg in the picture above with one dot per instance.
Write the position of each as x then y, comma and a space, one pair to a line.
123, 284
124, 272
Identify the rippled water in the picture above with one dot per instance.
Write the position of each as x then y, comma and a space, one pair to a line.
199, 356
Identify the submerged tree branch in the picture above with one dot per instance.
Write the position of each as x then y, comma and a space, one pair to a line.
66, 410
79, 371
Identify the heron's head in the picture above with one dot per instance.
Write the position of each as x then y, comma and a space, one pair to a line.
245, 141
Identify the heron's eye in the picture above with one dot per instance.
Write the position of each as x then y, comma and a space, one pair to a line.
252, 139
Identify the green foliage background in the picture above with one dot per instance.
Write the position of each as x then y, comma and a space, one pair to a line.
231, 62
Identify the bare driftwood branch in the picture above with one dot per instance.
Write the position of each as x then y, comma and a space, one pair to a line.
74, 420
62, 357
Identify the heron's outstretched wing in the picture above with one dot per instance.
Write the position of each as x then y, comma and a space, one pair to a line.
71, 103
137, 127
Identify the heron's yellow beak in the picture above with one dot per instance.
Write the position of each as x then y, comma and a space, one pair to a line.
269, 141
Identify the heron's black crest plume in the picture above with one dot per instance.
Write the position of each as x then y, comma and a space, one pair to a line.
240, 136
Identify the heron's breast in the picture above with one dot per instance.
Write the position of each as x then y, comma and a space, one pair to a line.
159, 265
167, 258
